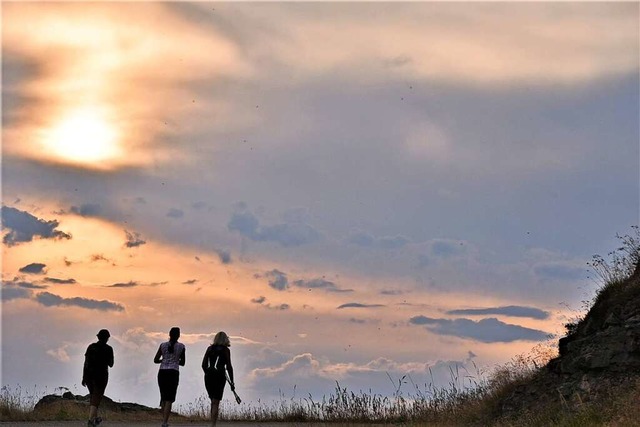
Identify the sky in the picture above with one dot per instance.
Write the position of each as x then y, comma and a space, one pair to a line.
354, 192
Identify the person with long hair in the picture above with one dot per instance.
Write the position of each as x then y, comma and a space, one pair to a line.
95, 373
216, 359
170, 355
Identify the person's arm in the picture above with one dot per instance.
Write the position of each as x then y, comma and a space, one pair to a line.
205, 361
230, 370
110, 357
183, 357
157, 358
85, 368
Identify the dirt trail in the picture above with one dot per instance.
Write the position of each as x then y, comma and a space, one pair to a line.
176, 424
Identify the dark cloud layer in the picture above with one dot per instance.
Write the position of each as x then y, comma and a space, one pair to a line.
33, 268
60, 281
359, 305
130, 284
30, 285
13, 292
24, 227
489, 330
293, 233
320, 284
511, 310
51, 300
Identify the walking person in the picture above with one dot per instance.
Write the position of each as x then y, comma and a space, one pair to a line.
216, 359
171, 355
95, 374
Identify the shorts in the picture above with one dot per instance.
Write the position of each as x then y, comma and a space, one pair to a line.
214, 383
96, 383
168, 383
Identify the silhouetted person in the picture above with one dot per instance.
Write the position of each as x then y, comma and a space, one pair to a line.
171, 355
216, 359
97, 360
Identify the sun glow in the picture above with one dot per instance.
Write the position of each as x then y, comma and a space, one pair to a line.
83, 136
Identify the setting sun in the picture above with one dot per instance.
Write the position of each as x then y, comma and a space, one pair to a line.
83, 136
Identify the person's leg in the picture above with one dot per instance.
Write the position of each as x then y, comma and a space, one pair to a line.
93, 410
215, 408
96, 397
166, 411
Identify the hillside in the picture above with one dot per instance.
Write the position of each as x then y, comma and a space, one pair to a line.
596, 377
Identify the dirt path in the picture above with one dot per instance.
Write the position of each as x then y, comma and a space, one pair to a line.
148, 424
176, 424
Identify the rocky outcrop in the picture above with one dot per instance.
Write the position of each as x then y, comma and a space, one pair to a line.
70, 404
599, 357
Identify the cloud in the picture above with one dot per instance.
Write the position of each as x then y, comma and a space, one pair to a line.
359, 305
287, 234
224, 256
200, 205
490, 330
445, 248
59, 281
559, 271
133, 239
245, 223
367, 240
304, 364
29, 285
431, 38
320, 284
130, 34
130, 284
394, 242
511, 310
11, 292
277, 279
87, 209
175, 213
51, 300
24, 227
262, 301
259, 300
99, 257
33, 268
60, 353
391, 292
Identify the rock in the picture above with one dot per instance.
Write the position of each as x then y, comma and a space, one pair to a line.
69, 404
600, 355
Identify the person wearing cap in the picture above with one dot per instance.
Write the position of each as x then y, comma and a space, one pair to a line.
97, 360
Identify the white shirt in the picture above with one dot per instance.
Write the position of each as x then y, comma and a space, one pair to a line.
171, 360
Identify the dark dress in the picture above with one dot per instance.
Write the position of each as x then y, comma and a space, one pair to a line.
216, 359
97, 359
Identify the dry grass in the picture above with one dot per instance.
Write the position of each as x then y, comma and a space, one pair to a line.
469, 400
